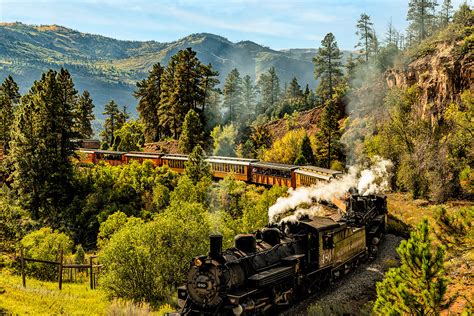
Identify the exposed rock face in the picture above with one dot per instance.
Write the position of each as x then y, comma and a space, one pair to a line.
441, 76
308, 120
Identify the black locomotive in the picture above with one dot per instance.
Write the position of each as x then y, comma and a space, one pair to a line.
282, 263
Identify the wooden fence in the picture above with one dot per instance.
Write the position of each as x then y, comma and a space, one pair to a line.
92, 269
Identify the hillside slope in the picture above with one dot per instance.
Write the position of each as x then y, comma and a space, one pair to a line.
109, 68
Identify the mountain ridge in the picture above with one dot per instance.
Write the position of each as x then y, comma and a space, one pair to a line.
109, 68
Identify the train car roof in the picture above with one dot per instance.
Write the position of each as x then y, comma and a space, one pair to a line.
273, 165
236, 161
175, 157
321, 170
108, 152
142, 155
232, 158
313, 174
322, 223
86, 150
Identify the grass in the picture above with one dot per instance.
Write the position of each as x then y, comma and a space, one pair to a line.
44, 298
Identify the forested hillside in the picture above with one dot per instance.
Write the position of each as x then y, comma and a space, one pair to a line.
404, 104
109, 68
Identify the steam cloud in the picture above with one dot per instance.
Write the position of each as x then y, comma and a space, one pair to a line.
374, 180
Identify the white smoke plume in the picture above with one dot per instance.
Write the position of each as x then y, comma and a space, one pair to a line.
373, 180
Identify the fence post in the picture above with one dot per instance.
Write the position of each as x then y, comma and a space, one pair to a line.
23, 277
90, 274
61, 269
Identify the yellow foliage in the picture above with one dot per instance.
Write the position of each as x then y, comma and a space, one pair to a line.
286, 149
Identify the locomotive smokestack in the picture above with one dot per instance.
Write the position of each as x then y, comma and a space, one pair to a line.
215, 249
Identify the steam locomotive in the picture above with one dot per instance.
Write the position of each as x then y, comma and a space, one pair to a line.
279, 265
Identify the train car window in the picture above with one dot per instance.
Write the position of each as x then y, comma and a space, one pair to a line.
328, 241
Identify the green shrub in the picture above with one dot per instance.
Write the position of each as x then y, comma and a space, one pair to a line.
80, 255
45, 244
114, 223
146, 261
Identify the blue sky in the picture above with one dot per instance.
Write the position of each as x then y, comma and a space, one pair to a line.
277, 23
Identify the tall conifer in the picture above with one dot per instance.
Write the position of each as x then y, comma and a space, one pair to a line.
148, 94
233, 95
84, 115
42, 145
327, 66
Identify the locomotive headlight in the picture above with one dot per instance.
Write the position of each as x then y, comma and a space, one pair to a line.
197, 262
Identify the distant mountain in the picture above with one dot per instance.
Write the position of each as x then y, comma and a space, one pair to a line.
109, 68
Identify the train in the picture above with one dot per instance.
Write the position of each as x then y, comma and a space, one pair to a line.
281, 264
248, 170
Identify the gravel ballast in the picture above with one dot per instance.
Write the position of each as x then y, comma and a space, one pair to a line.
358, 287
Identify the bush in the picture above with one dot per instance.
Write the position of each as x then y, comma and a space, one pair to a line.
45, 244
113, 224
287, 149
80, 255
145, 261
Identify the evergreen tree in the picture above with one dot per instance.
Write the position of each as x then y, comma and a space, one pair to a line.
421, 14
327, 66
445, 15
329, 134
9, 101
248, 98
84, 115
148, 93
418, 286
42, 146
464, 16
192, 134
367, 39
269, 87
233, 95
185, 84
112, 123
294, 89
197, 167
306, 151
208, 85
391, 35
168, 101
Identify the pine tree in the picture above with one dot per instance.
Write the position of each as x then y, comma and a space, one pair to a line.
192, 134
418, 286
329, 133
248, 98
148, 93
421, 14
367, 39
445, 15
84, 115
9, 101
208, 84
306, 151
269, 87
197, 167
391, 36
168, 101
233, 95
42, 146
112, 122
294, 89
327, 66
464, 16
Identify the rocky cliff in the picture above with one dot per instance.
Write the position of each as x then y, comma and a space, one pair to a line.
441, 70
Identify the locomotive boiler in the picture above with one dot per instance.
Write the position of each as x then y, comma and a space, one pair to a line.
282, 263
